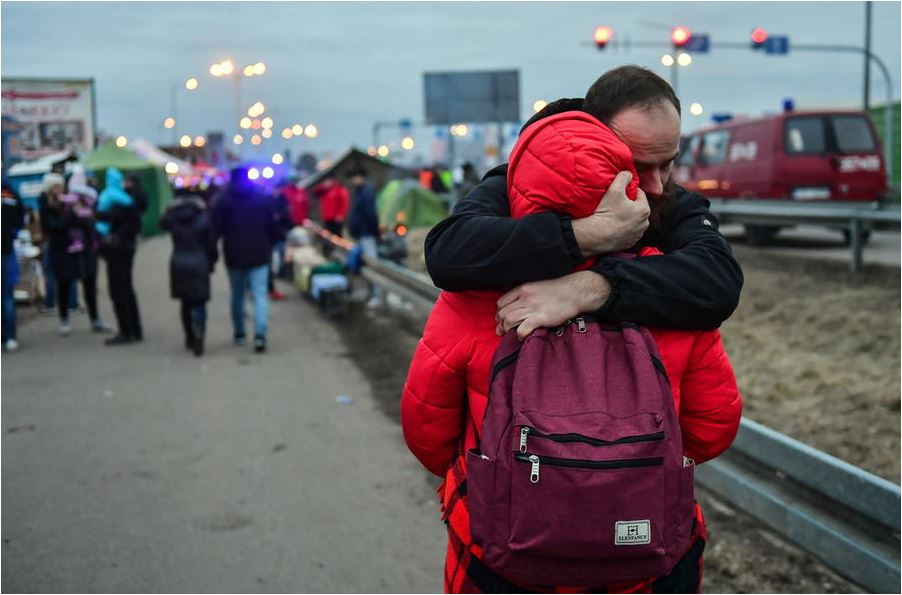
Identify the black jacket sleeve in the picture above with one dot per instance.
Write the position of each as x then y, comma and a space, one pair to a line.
694, 285
481, 247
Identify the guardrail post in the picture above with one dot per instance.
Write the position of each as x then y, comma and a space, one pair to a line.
855, 233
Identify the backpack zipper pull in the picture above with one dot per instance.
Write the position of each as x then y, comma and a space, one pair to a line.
534, 474
581, 325
524, 432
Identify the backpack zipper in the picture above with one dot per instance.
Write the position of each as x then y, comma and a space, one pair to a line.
527, 431
536, 461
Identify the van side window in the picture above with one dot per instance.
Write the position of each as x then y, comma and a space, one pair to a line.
852, 134
804, 135
688, 151
714, 148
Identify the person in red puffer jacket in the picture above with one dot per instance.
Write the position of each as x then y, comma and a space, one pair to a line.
333, 204
563, 163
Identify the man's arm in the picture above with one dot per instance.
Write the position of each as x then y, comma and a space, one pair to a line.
481, 247
695, 285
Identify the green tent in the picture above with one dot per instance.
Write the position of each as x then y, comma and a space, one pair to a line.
153, 179
406, 201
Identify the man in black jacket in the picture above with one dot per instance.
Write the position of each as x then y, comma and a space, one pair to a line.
245, 219
695, 285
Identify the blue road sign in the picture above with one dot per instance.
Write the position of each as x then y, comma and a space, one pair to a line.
700, 44
777, 45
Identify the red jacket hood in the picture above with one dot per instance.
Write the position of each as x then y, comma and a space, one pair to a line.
565, 163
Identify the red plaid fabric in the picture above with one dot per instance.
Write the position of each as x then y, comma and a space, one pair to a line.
466, 573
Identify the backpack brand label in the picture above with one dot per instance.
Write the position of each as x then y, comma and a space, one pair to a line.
632, 532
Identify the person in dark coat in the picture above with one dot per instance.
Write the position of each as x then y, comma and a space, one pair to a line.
119, 223
193, 259
13, 220
245, 219
69, 224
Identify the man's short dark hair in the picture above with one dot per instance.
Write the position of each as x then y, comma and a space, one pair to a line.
627, 87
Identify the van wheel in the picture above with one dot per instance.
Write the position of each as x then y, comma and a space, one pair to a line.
865, 237
760, 235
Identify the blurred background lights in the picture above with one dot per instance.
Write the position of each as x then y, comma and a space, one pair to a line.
121, 141
266, 122
172, 168
407, 143
185, 141
200, 141
383, 151
277, 159
237, 139
191, 84
311, 131
253, 173
539, 105
256, 140
266, 133
667, 60
696, 109
268, 172
245, 122
684, 59
259, 68
169, 122
297, 130
286, 133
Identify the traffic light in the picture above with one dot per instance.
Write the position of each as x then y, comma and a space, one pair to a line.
680, 36
602, 36
759, 38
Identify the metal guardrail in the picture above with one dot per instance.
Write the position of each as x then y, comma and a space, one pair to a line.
843, 515
849, 215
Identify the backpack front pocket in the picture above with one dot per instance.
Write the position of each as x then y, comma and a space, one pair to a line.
586, 508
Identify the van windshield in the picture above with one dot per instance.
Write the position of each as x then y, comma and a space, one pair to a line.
828, 134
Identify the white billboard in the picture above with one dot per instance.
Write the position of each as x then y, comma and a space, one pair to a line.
44, 116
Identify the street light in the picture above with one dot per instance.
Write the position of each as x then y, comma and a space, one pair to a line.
267, 133
172, 168
407, 143
185, 141
268, 172
287, 133
266, 122
121, 141
200, 141
383, 151
297, 130
277, 158
256, 139
237, 139
539, 105
684, 59
191, 84
311, 130
696, 109
244, 123
169, 122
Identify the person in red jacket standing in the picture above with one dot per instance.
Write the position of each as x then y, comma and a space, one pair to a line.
333, 204
563, 163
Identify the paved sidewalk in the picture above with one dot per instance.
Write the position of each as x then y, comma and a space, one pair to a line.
144, 469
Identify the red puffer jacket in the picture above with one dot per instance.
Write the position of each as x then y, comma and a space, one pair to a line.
563, 163
333, 200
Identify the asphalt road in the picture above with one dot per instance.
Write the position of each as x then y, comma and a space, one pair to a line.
820, 242
144, 469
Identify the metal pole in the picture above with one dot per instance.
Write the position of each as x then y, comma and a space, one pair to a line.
172, 105
674, 77
867, 50
855, 242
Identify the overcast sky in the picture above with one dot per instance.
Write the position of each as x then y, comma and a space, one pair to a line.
345, 65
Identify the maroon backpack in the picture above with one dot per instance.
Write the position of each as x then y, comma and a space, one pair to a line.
580, 478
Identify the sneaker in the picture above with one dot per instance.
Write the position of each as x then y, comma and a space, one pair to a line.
259, 344
276, 295
99, 326
11, 345
119, 340
239, 340
64, 329
198, 344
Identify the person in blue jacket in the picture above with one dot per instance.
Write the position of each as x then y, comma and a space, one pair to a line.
363, 219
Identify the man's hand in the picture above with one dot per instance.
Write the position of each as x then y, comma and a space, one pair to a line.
617, 222
550, 303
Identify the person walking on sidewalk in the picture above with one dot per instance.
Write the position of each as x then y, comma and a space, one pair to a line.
244, 218
54, 185
363, 220
192, 262
119, 223
13, 219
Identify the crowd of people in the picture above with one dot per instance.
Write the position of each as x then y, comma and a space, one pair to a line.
77, 224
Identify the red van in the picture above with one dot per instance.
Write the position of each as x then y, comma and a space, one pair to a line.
827, 155
812, 155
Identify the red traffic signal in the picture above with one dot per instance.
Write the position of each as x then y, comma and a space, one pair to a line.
680, 36
602, 36
759, 36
